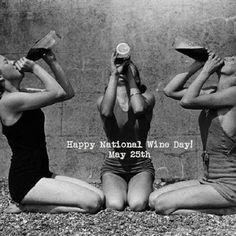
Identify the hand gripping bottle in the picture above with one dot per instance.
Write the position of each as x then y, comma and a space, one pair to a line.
43, 45
191, 49
122, 52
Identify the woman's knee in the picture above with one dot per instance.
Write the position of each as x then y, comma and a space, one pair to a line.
137, 204
161, 204
151, 200
115, 204
102, 196
93, 204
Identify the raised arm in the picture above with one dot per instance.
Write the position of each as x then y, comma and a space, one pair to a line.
175, 88
59, 74
20, 101
106, 103
193, 99
140, 103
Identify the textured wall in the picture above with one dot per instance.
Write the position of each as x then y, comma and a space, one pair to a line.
90, 31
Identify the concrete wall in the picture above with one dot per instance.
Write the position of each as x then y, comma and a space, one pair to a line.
91, 30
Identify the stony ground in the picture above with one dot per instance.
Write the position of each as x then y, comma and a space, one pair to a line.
108, 222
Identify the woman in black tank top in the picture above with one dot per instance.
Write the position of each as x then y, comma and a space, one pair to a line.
31, 183
215, 193
126, 111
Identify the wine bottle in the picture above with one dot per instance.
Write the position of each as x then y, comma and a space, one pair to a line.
191, 49
43, 45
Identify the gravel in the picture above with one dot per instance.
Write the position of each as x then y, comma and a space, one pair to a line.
110, 222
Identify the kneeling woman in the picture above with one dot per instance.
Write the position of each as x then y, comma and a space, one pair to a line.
126, 112
31, 184
215, 192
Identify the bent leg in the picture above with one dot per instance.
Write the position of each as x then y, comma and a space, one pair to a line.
13, 208
115, 190
139, 188
198, 197
219, 211
80, 183
170, 187
61, 194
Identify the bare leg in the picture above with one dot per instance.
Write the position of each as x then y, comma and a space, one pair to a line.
13, 208
218, 211
170, 187
197, 197
54, 196
139, 189
80, 183
115, 188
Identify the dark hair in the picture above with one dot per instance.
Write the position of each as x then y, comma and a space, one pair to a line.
137, 78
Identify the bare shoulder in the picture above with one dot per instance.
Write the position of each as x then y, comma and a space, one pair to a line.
7, 115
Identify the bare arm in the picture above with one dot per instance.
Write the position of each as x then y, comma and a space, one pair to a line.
107, 102
221, 99
193, 99
140, 103
59, 74
175, 88
20, 101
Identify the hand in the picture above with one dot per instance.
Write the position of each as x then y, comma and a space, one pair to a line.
49, 56
117, 68
113, 65
213, 63
25, 65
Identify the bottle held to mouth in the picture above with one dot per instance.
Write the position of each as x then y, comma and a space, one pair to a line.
191, 49
43, 45
122, 53
12, 62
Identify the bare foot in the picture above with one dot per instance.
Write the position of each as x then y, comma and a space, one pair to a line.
230, 211
13, 208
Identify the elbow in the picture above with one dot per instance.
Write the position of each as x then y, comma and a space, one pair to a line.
185, 103
69, 95
62, 95
106, 112
167, 92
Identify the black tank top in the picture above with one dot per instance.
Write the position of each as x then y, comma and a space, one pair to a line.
27, 132
29, 161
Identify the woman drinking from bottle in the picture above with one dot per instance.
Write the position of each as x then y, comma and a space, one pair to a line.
215, 192
126, 112
32, 185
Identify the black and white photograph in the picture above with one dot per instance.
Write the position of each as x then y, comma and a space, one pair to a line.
118, 117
